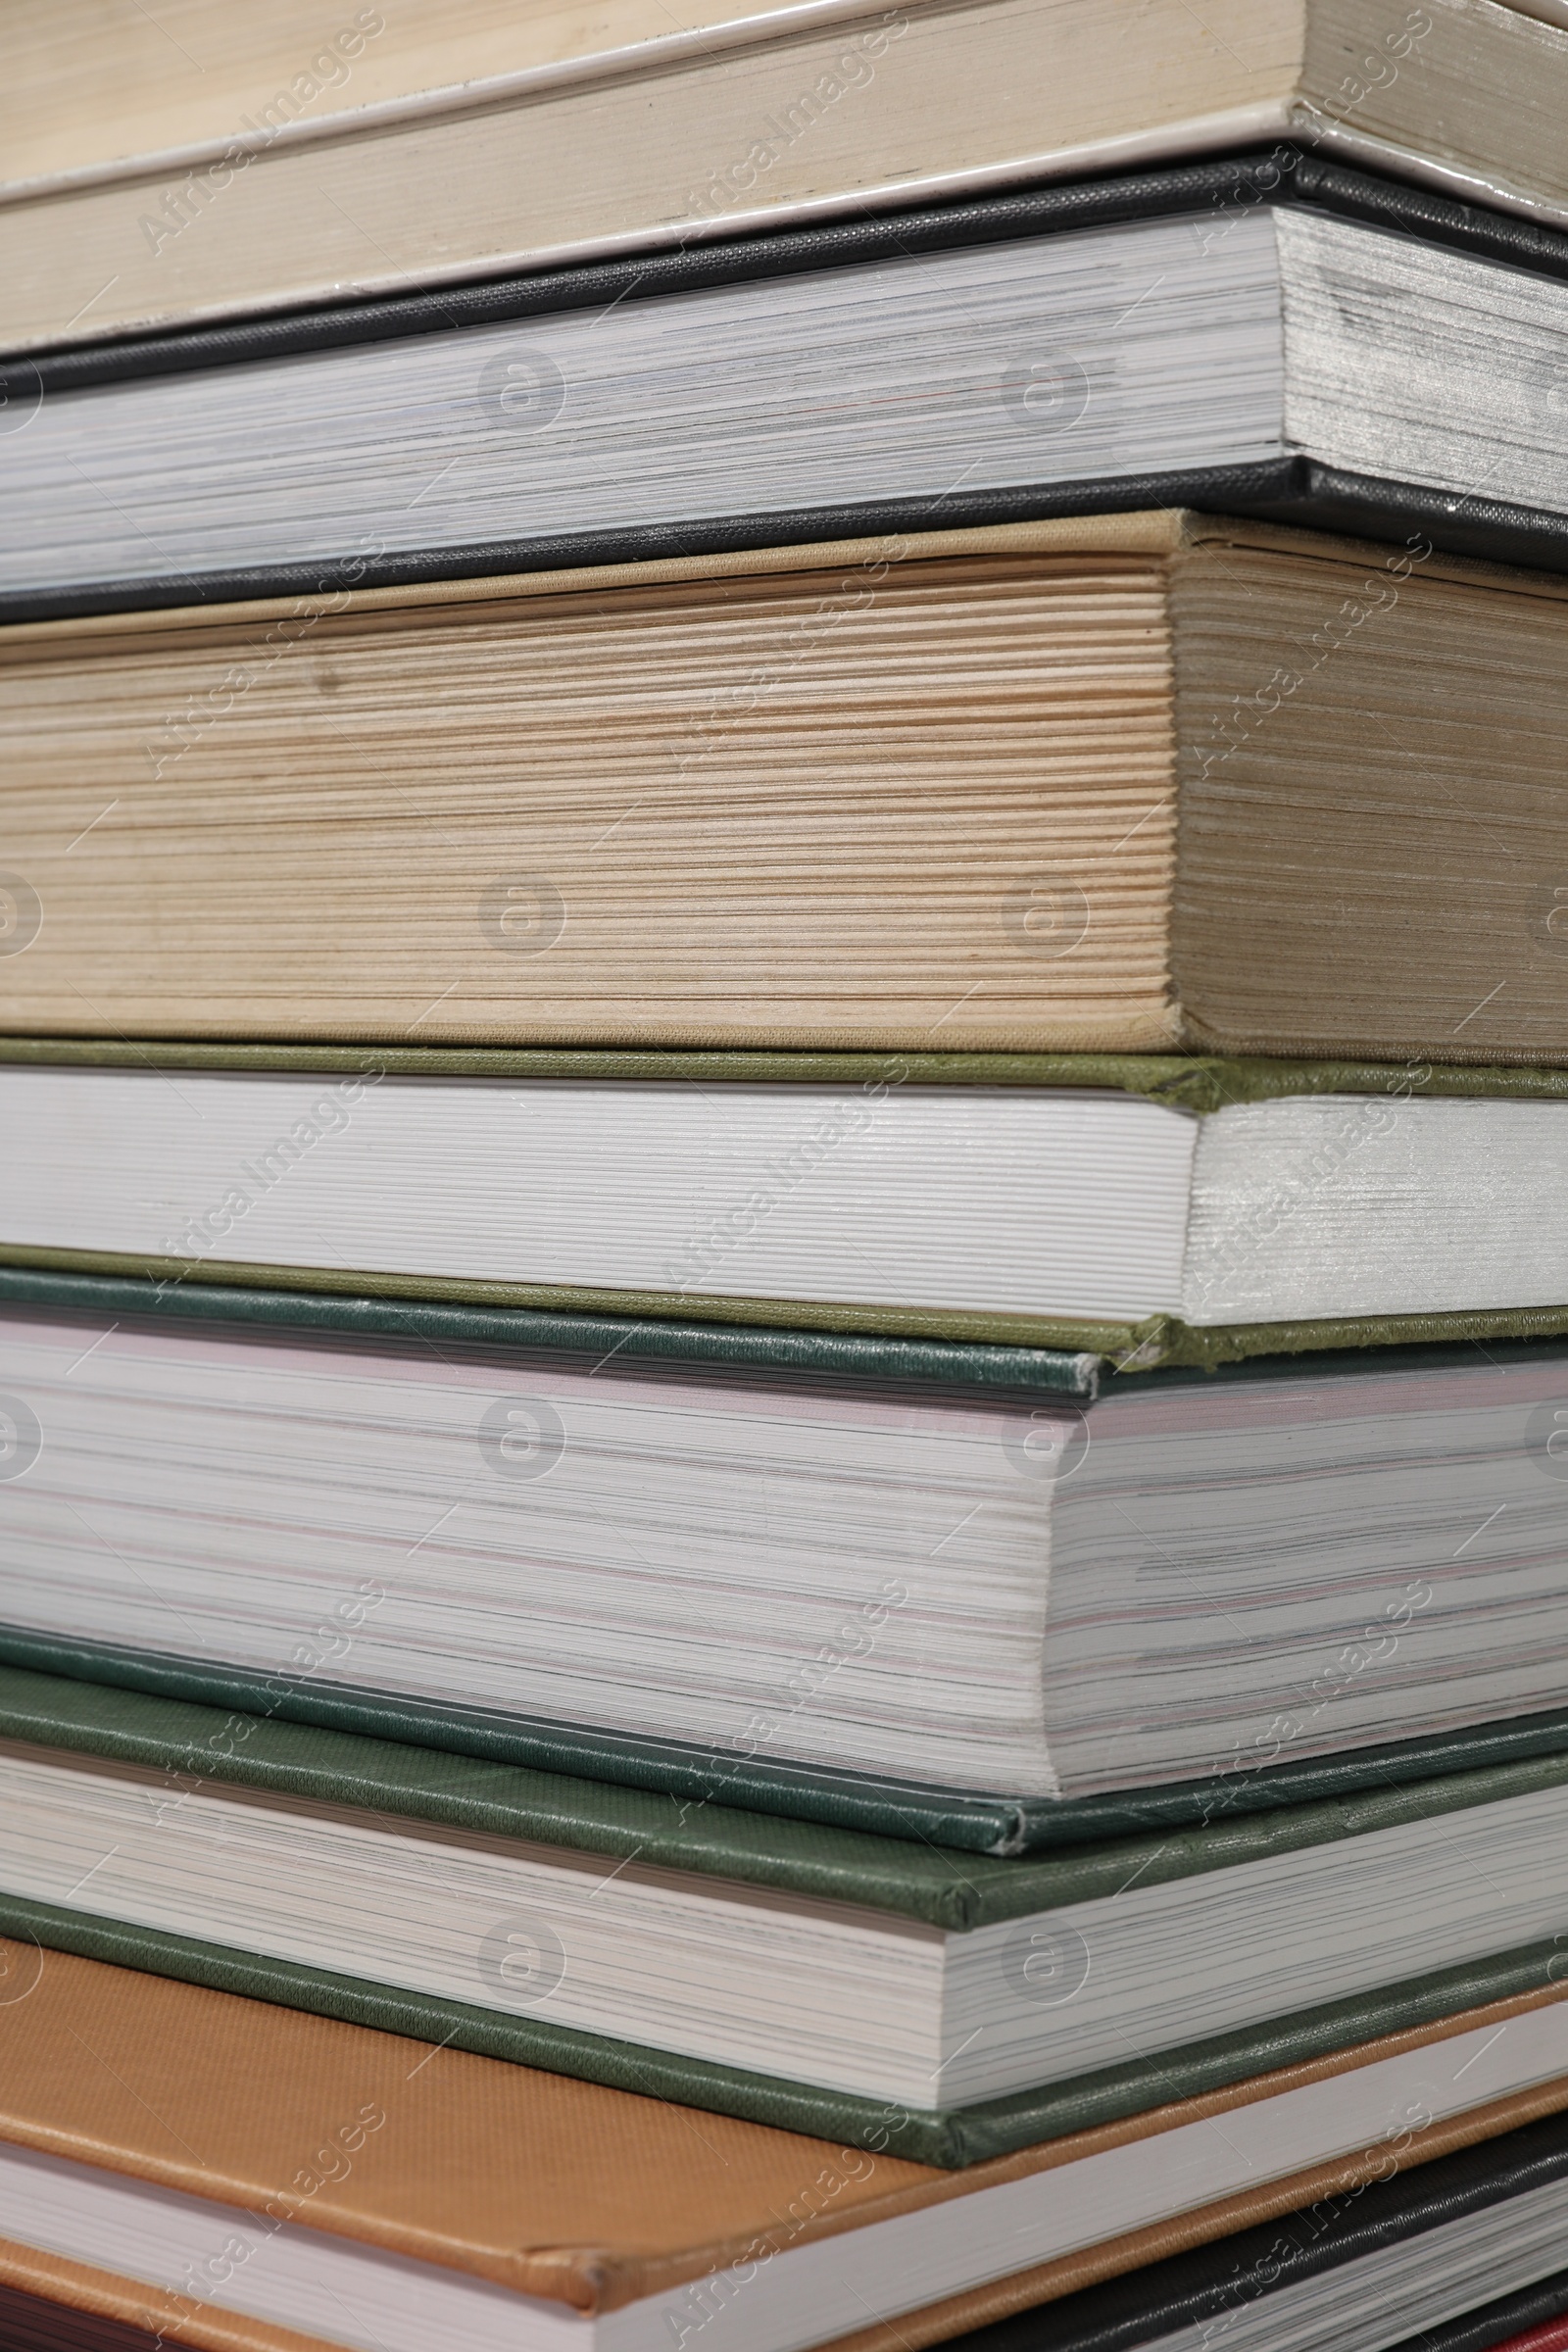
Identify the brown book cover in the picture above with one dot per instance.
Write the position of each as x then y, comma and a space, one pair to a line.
554, 2188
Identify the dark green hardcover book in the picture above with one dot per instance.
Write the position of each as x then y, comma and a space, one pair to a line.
883, 1991
935, 1590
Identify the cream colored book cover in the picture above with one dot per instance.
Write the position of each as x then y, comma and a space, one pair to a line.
171, 174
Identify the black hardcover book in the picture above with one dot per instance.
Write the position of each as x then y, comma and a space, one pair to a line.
1268, 334
1454, 2256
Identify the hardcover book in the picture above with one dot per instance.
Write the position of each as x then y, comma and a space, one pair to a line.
1450, 2258
995, 1619
1151, 1210
1129, 782
1267, 333
155, 182
883, 1991
1550, 2336
375, 2194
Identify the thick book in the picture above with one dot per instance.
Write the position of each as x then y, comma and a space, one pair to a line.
372, 2192
1121, 783
1270, 334
1149, 1209
879, 1991
1450, 2257
993, 1619
390, 149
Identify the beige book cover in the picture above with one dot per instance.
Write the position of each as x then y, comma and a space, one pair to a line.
204, 161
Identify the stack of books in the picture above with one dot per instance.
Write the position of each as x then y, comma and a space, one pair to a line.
783, 1288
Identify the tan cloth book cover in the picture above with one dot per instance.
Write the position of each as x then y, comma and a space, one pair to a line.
554, 2188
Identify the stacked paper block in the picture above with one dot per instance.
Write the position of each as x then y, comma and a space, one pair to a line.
783, 1296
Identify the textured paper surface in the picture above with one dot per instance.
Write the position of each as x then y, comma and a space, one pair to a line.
1111, 786
618, 835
